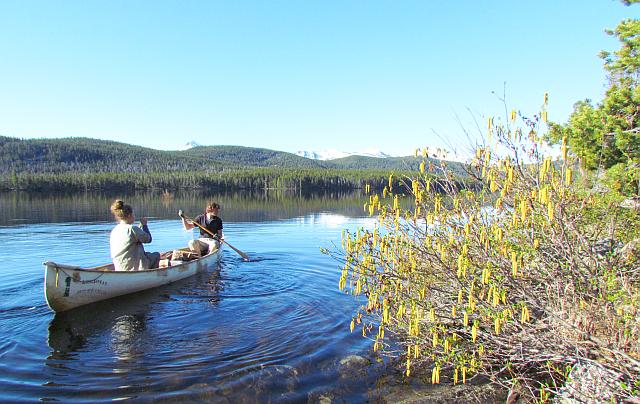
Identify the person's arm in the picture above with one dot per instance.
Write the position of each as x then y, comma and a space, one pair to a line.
187, 224
219, 232
142, 233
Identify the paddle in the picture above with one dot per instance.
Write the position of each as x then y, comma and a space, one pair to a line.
215, 236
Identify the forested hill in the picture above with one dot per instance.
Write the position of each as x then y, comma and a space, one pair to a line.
85, 155
408, 163
252, 157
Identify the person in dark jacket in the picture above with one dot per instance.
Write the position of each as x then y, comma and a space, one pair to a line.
209, 220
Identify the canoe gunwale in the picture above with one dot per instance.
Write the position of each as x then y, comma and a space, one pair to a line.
55, 265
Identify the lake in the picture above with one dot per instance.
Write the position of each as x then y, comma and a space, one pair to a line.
274, 329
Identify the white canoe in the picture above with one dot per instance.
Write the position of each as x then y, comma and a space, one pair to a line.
67, 287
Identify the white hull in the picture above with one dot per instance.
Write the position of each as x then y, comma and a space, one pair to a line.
67, 287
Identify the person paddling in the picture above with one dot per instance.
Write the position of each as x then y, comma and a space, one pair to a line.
210, 221
127, 251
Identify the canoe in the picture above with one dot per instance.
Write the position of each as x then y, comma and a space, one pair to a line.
67, 287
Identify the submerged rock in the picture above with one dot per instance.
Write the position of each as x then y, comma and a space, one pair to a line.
273, 379
320, 397
353, 366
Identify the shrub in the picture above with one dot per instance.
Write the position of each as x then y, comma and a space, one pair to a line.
517, 277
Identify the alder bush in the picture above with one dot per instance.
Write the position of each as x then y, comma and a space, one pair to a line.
518, 276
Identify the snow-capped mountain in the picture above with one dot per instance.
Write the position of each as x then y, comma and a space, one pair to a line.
189, 145
331, 154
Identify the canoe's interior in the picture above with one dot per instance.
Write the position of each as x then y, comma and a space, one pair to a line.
109, 267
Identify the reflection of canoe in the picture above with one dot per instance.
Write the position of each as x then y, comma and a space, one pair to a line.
66, 287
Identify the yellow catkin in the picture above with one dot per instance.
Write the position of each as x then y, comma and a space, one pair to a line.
568, 177
435, 375
352, 326
525, 316
523, 209
513, 115
465, 319
543, 196
496, 297
493, 186
422, 167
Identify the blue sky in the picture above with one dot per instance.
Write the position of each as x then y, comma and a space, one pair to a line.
294, 75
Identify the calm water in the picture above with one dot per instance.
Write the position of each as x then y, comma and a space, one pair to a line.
275, 329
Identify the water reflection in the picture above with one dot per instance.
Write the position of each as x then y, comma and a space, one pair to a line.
121, 322
121, 317
19, 208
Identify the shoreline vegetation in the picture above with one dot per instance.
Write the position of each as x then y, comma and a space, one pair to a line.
531, 281
252, 179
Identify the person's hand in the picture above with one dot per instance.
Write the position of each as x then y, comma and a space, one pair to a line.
143, 221
180, 213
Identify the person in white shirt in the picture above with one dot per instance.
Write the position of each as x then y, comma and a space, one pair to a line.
127, 251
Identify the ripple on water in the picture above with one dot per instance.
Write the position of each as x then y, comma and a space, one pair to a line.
271, 329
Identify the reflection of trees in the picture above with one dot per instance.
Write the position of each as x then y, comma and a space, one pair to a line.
22, 207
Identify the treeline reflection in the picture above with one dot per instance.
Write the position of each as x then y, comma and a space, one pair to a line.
18, 208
